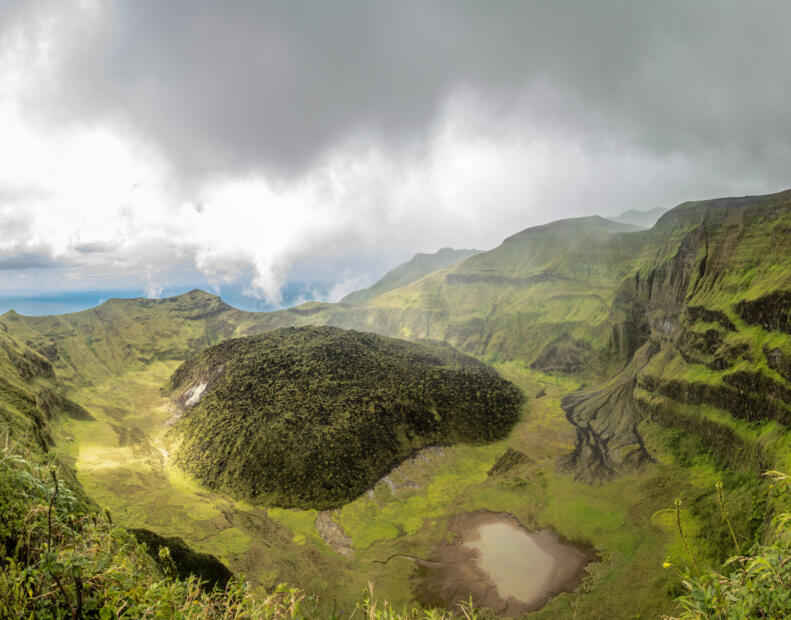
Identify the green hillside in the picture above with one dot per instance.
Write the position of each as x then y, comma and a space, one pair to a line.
30, 396
545, 296
418, 266
314, 416
130, 334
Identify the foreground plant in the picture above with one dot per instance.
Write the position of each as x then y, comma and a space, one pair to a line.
756, 585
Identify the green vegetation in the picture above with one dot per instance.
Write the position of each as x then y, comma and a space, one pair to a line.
314, 416
754, 585
130, 334
29, 395
418, 266
542, 285
59, 560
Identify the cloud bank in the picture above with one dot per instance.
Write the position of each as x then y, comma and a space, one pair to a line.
156, 142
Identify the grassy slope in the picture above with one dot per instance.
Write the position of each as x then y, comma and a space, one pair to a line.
18, 411
546, 284
122, 335
419, 266
30, 397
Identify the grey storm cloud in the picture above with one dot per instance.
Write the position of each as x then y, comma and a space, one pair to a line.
94, 248
27, 260
251, 85
267, 141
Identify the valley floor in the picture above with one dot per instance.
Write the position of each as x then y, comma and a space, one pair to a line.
122, 457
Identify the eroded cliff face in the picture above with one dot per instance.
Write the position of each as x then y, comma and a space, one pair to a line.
30, 396
711, 324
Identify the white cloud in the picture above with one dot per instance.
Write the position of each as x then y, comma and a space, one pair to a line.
98, 198
153, 290
94, 187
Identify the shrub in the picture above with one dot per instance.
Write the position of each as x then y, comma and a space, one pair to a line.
755, 585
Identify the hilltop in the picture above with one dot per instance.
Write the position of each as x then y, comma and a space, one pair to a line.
314, 416
127, 334
418, 266
643, 219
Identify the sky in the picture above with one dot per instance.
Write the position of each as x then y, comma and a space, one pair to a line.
243, 146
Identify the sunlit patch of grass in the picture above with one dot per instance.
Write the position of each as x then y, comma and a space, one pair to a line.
676, 548
230, 541
365, 522
300, 522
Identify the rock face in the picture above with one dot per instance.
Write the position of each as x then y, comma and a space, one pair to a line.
333, 534
313, 416
698, 308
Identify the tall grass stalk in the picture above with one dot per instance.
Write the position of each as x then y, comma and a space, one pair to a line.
724, 511
677, 506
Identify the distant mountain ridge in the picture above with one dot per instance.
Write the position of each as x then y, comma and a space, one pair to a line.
643, 219
418, 266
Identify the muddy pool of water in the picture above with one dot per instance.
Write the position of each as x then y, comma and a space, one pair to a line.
501, 565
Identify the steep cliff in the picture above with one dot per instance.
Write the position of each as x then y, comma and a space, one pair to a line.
29, 396
715, 354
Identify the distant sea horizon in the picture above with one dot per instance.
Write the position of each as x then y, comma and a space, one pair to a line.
43, 303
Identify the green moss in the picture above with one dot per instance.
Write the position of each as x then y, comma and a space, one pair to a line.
312, 417
390, 515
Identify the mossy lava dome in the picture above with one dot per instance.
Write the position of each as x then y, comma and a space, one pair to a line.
314, 416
